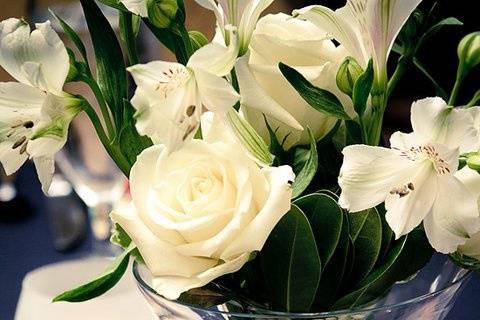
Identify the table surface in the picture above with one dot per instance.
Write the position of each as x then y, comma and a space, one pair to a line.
27, 245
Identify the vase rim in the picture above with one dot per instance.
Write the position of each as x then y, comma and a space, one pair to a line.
307, 315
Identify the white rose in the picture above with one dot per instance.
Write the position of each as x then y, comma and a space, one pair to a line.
199, 212
303, 46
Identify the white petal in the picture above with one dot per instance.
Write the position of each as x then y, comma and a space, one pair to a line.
434, 121
250, 15
159, 255
156, 74
253, 96
11, 159
454, 216
369, 173
217, 10
19, 103
216, 93
404, 213
254, 236
45, 169
470, 179
38, 58
471, 247
215, 58
138, 7
172, 287
342, 26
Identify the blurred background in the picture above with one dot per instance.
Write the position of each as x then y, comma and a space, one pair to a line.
73, 222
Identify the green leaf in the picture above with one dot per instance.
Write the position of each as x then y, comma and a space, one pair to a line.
450, 21
101, 284
130, 141
290, 263
362, 88
206, 297
353, 133
408, 255
305, 176
366, 234
325, 217
120, 237
320, 99
464, 261
275, 146
73, 36
333, 273
387, 234
114, 4
250, 139
111, 72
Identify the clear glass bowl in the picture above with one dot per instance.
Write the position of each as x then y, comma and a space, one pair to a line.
430, 295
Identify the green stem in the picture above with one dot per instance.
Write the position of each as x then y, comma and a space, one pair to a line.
184, 50
461, 74
129, 37
474, 101
379, 103
402, 66
111, 149
102, 103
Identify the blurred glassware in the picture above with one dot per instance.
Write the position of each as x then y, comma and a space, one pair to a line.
95, 178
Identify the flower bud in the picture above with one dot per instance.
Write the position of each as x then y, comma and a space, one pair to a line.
347, 75
473, 162
469, 50
198, 39
161, 13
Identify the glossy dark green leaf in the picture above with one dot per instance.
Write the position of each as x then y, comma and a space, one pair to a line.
114, 4
366, 234
326, 218
101, 284
353, 133
408, 255
387, 234
206, 297
320, 99
111, 72
73, 36
290, 263
305, 176
362, 88
334, 271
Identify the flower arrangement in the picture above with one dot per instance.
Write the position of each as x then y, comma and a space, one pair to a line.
255, 161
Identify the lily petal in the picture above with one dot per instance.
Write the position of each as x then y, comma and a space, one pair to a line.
405, 212
433, 120
250, 15
453, 219
38, 58
45, 167
216, 93
369, 173
138, 7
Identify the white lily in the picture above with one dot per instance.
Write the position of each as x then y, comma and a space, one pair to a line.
366, 28
170, 97
34, 113
242, 14
416, 177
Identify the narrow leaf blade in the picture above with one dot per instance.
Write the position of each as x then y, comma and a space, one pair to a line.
305, 176
320, 99
362, 88
101, 284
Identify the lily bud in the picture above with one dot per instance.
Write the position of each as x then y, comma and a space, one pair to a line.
347, 75
473, 162
469, 50
161, 13
198, 39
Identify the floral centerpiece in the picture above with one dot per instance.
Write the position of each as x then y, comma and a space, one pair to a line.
256, 164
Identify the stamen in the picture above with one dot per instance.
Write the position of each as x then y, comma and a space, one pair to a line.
190, 110
23, 149
188, 132
28, 124
19, 142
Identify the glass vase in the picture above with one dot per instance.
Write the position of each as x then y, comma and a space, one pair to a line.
429, 295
